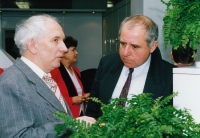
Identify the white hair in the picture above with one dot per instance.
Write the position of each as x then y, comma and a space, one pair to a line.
31, 28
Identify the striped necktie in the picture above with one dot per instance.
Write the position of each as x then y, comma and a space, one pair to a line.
54, 88
125, 89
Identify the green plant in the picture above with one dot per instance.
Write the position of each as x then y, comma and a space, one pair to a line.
143, 118
182, 23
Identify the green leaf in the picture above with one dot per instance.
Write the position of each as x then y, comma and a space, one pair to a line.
181, 23
143, 118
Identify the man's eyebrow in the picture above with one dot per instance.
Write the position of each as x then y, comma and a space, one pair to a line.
121, 41
135, 45
57, 37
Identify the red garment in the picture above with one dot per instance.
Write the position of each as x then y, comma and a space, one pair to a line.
1, 70
56, 75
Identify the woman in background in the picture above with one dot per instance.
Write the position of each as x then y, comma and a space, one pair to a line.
70, 85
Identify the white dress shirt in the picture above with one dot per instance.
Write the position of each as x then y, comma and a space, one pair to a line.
137, 82
34, 67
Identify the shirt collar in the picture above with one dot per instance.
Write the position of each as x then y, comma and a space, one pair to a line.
34, 67
139, 70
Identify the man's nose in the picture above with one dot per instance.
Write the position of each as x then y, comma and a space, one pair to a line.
63, 47
127, 50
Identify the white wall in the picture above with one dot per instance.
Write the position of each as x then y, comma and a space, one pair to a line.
6, 60
155, 10
85, 27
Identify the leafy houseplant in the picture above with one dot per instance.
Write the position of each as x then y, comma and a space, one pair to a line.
143, 118
182, 23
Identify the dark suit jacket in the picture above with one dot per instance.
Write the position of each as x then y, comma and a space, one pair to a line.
27, 105
158, 82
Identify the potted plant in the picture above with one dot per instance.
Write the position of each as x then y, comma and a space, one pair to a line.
182, 23
143, 118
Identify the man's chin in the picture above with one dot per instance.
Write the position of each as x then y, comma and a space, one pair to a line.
57, 65
129, 65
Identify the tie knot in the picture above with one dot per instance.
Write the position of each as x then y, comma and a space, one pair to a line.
131, 70
47, 76
48, 79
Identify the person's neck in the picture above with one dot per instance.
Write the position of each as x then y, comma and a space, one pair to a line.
34, 60
69, 68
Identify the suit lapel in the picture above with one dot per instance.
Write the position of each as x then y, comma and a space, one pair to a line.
112, 78
42, 89
48, 95
153, 76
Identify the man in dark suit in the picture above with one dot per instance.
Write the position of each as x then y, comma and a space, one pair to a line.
27, 102
138, 50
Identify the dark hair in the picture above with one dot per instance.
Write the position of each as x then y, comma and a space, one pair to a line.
184, 55
70, 41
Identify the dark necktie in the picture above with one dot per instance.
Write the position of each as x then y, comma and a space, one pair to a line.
125, 89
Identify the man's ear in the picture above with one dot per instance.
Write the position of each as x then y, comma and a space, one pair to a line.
171, 55
31, 46
154, 46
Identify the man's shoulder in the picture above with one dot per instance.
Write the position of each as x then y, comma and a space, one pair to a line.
16, 68
166, 68
157, 60
18, 71
168, 64
10, 74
